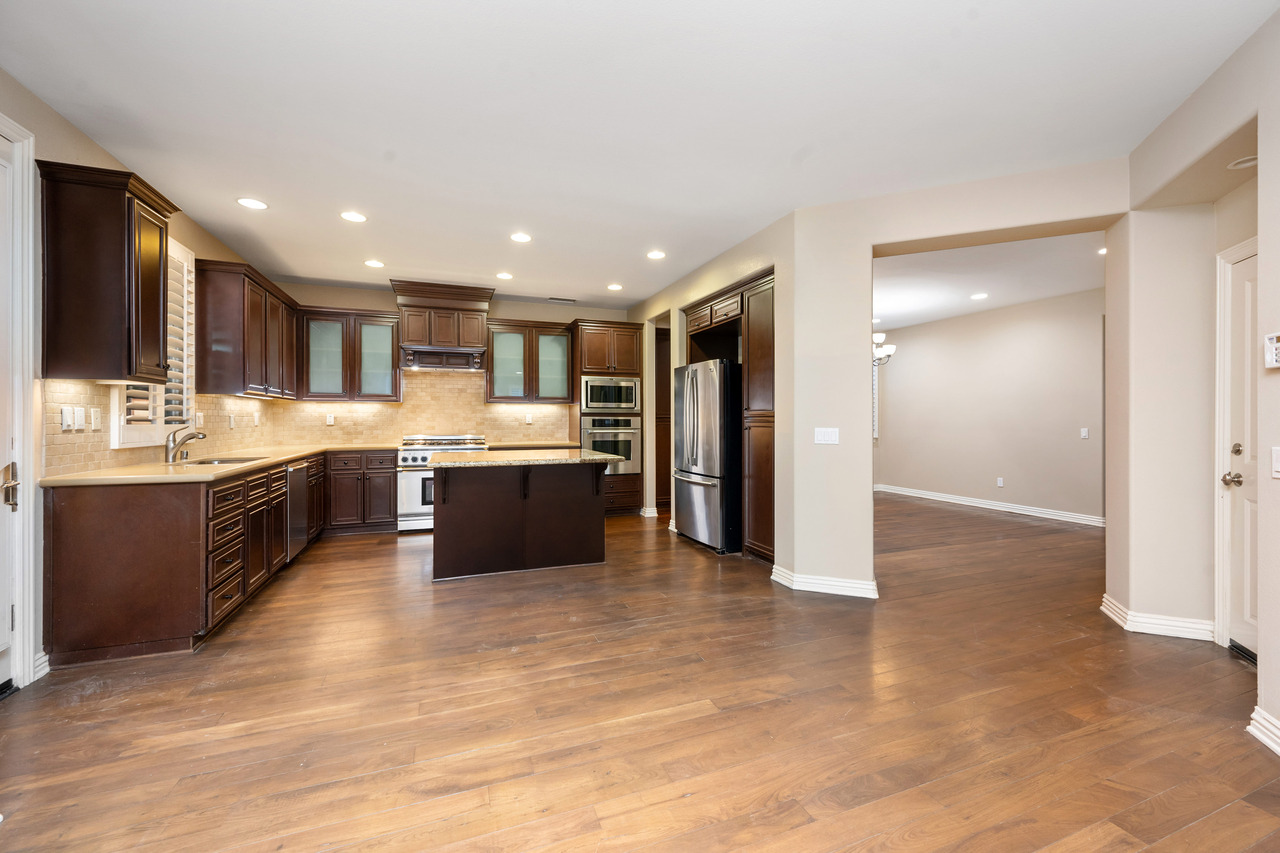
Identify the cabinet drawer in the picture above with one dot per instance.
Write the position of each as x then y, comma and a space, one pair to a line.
225, 498
379, 461
315, 466
346, 461
616, 483
726, 309
226, 598
226, 562
222, 530
256, 488
699, 319
278, 481
625, 500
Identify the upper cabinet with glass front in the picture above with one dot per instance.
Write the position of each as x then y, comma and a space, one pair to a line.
528, 363
349, 355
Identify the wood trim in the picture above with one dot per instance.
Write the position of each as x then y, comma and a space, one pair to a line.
70, 173
427, 294
206, 264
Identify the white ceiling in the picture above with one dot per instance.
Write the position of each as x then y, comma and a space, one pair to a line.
603, 129
921, 288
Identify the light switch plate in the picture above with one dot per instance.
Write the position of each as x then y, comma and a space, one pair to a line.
1084, 432
95, 419
328, 420
68, 418
199, 419
256, 422
1271, 351
528, 419
231, 421
826, 435
79, 417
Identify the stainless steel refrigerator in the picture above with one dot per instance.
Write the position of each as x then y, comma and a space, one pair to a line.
706, 497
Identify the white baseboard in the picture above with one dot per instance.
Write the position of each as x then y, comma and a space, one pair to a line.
1154, 623
1039, 512
819, 583
649, 512
1265, 728
671, 525
41, 666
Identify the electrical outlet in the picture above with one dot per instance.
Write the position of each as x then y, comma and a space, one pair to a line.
1084, 432
95, 419
231, 421
68, 418
1000, 482
256, 422
528, 419
199, 419
328, 420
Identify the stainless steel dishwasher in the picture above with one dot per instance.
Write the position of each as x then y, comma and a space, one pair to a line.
296, 484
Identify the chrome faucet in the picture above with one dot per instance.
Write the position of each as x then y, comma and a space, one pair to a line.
172, 444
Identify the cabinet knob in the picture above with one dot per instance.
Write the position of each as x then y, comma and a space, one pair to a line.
228, 595
231, 526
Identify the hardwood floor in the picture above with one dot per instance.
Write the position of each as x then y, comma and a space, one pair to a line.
669, 700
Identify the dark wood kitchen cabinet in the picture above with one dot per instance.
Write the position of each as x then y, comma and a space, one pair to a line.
315, 496
105, 240
608, 349
528, 362
246, 339
442, 325
349, 355
134, 570
361, 487
439, 327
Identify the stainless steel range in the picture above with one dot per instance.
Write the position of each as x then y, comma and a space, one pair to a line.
415, 482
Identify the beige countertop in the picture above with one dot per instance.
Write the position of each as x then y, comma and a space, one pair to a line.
534, 445
190, 472
494, 458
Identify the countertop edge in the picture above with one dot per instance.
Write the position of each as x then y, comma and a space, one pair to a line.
158, 473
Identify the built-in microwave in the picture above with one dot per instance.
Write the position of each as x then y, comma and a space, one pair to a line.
611, 394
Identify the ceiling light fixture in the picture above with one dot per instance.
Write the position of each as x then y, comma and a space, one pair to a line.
875, 320
656, 255
1243, 163
505, 276
978, 296
521, 237
880, 351
615, 287
375, 264
352, 216
252, 203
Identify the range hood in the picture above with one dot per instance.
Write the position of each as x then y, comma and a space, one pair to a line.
442, 325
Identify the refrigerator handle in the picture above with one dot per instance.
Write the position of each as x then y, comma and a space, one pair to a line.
696, 426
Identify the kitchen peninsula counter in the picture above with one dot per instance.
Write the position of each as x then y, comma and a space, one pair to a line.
511, 510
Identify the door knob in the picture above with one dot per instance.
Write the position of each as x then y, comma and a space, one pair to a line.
1229, 479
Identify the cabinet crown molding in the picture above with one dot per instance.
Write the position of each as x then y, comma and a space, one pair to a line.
70, 173
426, 294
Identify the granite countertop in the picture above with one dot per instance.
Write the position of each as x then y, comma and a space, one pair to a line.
534, 445
189, 472
494, 458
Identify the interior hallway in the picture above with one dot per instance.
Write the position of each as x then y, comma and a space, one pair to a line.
669, 698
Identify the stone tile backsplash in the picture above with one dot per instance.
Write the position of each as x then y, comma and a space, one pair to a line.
435, 402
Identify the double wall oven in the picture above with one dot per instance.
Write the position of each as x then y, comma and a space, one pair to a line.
611, 420
415, 482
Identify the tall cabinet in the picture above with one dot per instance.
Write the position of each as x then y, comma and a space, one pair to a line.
737, 323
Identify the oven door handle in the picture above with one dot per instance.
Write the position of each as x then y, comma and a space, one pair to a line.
610, 431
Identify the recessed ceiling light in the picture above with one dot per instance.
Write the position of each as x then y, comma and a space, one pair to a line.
615, 287
875, 320
375, 264
352, 216
978, 296
656, 255
1243, 163
1102, 251
505, 276
252, 203
521, 237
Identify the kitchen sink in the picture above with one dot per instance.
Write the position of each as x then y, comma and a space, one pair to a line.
225, 461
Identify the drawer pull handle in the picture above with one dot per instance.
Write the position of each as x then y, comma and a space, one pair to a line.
231, 526
229, 560
228, 595
228, 497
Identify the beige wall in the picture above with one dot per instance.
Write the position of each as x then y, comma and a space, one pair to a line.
1236, 214
1000, 393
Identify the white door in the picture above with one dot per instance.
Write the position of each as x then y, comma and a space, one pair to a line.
1239, 488
11, 331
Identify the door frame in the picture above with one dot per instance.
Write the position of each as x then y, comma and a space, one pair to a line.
1221, 438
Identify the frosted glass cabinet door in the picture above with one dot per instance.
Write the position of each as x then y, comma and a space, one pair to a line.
508, 364
553, 366
324, 338
375, 349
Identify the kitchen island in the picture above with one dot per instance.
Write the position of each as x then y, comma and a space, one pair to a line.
511, 510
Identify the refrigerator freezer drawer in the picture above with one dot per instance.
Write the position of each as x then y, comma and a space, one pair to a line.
698, 509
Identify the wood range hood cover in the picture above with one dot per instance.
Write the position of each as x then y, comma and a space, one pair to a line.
442, 325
